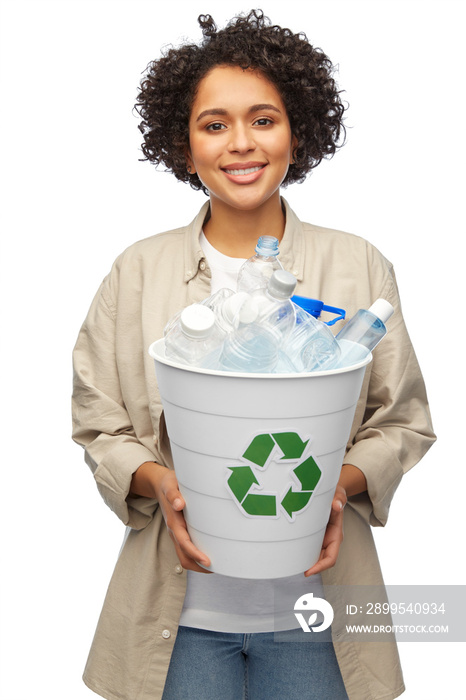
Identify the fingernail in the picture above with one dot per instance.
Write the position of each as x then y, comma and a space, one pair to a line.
340, 505
177, 503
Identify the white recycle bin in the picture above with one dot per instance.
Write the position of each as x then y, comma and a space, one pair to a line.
257, 458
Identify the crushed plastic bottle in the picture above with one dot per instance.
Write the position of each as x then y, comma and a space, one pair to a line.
276, 311
264, 331
251, 348
311, 346
231, 309
256, 272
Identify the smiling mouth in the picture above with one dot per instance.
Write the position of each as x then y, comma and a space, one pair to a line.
244, 171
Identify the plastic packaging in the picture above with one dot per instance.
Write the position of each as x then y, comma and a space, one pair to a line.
276, 312
231, 309
311, 346
193, 337
315, 308
251, 348
363, 332
256, 272
260, 323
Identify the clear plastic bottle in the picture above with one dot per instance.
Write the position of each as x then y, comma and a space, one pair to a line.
363, 332
231, 309
194, 337
216, 300
276, 310
251, 348
256, 272
311, 346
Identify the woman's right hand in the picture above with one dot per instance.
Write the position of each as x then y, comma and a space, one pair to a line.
164, 485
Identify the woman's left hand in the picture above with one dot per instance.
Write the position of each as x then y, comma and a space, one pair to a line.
333, 534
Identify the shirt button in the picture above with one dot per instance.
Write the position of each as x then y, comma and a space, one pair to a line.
166, 634
295, 273
179, 569
202, 265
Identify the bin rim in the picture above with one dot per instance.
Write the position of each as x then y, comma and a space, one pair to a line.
157, 352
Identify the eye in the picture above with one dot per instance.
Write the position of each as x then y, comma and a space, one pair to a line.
263, 121
216, 126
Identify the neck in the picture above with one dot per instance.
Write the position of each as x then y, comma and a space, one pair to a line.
234, 232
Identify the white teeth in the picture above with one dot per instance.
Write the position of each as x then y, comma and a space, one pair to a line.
246, 171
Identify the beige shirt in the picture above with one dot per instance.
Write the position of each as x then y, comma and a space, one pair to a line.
118, 418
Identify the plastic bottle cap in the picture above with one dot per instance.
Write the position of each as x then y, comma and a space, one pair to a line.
233, 304
282, 284
197, 320
249, 311
267, 245
312, 306
382, 309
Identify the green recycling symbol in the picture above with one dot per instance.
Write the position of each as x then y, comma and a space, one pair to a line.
244, 486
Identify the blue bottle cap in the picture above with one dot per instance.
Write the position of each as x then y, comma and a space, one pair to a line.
312, 306
315, 308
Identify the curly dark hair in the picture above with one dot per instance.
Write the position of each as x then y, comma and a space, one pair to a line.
302, 74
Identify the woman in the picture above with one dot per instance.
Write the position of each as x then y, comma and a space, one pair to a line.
251, 109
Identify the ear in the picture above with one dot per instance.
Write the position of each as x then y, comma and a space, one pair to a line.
189, 162
294, 145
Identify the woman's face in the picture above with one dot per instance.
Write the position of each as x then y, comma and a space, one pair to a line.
240, 139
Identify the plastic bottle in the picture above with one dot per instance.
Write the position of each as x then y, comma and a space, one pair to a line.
216, 300
275, 310
231, 309
251, 348
194, 338
311, 346
256, 272
363, 332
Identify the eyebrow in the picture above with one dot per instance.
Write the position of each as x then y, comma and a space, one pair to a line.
217, 111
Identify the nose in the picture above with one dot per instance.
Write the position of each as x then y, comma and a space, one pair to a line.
241, 139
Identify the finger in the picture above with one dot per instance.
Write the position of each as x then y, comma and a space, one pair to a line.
175, 499
190, 550
328, 558
330, 546
180, 535
189, 563
339, 500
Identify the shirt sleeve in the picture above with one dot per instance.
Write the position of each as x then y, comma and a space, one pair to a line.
101, 423
396, 429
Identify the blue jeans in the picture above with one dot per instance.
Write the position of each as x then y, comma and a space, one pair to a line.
222, 666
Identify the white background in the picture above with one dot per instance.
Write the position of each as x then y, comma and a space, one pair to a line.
75, 195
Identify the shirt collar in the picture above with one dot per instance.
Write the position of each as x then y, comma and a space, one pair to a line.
291, 245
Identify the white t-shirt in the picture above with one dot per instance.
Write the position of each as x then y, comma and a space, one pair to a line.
224, 603
224, 269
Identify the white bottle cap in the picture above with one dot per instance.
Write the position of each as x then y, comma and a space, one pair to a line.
240, 307
282, 284
197, 320
382, 309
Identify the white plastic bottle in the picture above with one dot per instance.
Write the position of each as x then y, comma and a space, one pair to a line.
311, 346
363, 332
276, 311
194, 338
256, 272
